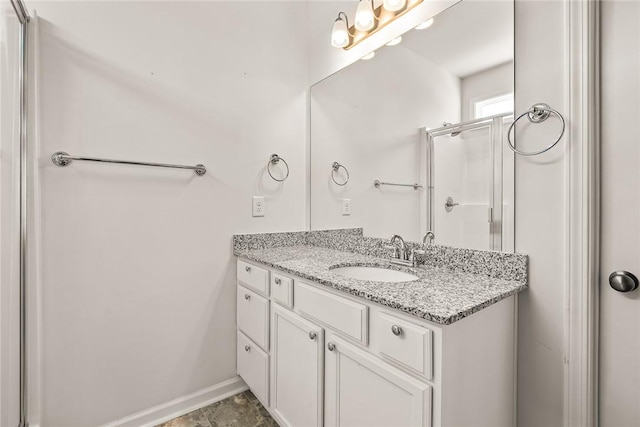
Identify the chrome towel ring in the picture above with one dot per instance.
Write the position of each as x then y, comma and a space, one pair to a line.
538, 113
335, 166
274, 160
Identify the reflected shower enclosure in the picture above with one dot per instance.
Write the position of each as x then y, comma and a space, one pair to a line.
470, 184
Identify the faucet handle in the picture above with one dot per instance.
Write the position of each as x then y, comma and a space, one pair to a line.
413, 258
394, 249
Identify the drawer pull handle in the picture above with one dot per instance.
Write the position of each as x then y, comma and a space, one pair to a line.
331, 346
312, 335
247, 297
247, 348
397, 330
247, 269
278, 281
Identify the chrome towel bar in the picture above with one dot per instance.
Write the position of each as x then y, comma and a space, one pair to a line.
377, 183
60, 158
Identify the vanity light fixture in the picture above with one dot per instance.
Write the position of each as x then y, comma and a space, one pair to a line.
395, 41
365, 16
425, 24
340, 36
368, 20
394, 5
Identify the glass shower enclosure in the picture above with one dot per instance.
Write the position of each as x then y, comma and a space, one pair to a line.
470, 182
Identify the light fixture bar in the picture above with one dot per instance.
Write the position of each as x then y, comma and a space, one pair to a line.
384, 18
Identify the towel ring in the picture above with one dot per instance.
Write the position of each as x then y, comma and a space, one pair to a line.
538, 113
334, 168
274, 160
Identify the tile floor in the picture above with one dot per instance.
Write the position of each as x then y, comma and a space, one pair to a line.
241, 410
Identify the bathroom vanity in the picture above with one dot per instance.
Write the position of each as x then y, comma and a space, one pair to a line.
318, 348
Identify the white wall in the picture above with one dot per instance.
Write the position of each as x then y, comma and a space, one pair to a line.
486, 84
137, 289
369, 117
9, 215
542, 220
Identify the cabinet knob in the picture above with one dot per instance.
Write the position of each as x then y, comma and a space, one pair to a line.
312, 335
247, 269
247, 348
247, 297
278, 281
397, 330
331, 346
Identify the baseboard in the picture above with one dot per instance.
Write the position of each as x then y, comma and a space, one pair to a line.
182, 405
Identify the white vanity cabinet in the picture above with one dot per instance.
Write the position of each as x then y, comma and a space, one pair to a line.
327, 358
296, 369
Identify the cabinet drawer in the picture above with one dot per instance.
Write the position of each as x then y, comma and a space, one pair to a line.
406, 343
254, 277
253, 367
343, 315
282, 289
253, 316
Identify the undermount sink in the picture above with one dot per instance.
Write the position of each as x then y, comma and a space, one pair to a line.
377, 274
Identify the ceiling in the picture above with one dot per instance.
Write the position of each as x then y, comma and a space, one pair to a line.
469, 37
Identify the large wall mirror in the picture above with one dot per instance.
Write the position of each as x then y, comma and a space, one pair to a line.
413, 139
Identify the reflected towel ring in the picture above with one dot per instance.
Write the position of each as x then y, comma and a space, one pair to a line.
538, 113
274, 160
334, 168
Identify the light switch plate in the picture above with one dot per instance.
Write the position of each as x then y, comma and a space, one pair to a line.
258, 206
346, 207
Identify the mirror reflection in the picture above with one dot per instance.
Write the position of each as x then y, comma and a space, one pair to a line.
412, 139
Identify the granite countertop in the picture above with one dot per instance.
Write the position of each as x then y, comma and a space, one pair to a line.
440, 295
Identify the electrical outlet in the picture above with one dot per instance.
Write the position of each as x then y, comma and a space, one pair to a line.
258, 206
346, 206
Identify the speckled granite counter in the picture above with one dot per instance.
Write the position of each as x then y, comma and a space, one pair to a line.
444, 293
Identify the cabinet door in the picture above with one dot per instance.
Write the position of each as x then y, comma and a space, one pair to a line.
296, 369
361, 390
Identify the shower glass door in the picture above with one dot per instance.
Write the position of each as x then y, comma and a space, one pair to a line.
470, 182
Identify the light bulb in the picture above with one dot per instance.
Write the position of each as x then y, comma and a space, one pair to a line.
365, 19
340, 33
425, 24
393, 5
369, 55
395, 41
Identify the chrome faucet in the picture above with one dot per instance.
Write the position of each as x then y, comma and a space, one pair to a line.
428, 238
402, 247
400, 254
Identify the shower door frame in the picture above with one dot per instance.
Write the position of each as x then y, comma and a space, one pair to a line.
23, 17
495, 216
